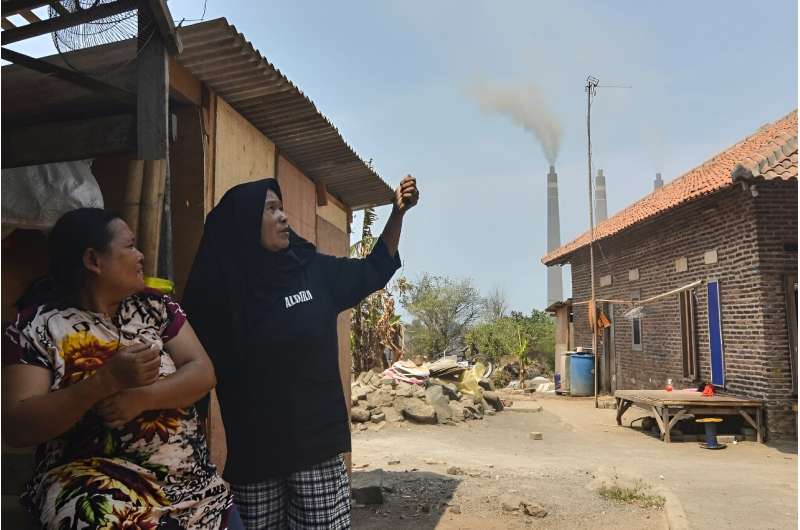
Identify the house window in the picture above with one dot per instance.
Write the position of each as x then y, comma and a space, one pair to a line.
636, 334
636, 325
688, 334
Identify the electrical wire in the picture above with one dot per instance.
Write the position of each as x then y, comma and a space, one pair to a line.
202, 17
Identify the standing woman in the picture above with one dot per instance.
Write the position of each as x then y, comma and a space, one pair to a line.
265, 304
103, 376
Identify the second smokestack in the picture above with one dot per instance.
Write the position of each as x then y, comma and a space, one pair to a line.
658, 183
600, 203
554, 280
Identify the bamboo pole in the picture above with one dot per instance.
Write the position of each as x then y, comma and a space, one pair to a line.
591, 86
150, 214
133, 194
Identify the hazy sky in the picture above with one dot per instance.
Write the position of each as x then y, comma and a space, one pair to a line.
398, 79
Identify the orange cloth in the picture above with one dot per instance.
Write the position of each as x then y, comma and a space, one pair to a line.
708, 391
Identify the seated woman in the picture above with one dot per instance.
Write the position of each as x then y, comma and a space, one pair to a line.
104, 377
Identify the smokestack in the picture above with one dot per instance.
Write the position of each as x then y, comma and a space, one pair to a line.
600, 204
554, 284
658, 183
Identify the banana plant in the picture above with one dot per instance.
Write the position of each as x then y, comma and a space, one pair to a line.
374, 324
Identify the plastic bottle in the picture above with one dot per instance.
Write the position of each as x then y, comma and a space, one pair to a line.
669, 385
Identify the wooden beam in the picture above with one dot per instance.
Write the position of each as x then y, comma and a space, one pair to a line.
64, 141
65, 21
30, 16
7, 24
184, 86
166, 27
152, 90
322, 194
71, 76
12, 7
59, 8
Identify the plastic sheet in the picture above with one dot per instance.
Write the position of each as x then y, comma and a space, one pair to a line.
34, 197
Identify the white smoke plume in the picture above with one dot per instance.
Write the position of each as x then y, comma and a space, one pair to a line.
527, 108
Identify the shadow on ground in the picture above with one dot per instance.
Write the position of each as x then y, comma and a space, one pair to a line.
412, 500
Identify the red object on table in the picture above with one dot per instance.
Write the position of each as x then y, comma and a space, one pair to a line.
708, 391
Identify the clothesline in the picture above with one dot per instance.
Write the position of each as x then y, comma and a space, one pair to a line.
646, 300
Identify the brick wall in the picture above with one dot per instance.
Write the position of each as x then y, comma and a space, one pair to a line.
748, 235
776, 214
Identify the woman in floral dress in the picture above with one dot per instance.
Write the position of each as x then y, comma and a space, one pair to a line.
103, 377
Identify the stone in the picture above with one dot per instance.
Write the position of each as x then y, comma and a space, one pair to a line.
458, 411
491, 412
486, 385
494, 400
404, 389
535, 435
377, 426
420, 413
533, 509
392, 415
380, 398
473, 412
359, 393
435, 397
419, 392
362, 426
362, 377
359, 415
536, 381
455, 509
449, 389
387, 382
393, 462
377, 418
455, 470
367, 487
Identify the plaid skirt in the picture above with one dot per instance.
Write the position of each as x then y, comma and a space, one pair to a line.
315, 498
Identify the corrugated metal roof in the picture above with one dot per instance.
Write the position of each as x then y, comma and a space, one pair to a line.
221, 57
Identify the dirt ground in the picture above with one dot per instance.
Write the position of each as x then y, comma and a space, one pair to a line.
747, 485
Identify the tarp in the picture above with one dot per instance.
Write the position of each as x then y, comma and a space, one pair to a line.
34, 197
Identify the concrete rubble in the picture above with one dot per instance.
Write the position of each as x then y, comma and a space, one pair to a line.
446, 395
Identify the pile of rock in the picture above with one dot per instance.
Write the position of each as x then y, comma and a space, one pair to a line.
377, 399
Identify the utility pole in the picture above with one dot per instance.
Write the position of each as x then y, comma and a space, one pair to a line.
591, 90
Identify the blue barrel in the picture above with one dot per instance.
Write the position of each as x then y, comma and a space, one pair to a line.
581, 375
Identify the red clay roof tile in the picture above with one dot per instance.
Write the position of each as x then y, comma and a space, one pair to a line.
769, 153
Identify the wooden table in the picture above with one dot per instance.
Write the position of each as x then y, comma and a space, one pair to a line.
670, 407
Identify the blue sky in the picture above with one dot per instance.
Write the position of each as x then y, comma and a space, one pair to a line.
395, 78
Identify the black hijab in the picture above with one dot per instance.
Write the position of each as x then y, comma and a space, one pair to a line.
233, 277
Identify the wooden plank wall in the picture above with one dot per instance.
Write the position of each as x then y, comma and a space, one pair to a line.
241, 154
299, 199
187, 162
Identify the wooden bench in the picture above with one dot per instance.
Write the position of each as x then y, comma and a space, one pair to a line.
670, 407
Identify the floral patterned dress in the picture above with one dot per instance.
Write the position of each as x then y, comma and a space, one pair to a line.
153, 472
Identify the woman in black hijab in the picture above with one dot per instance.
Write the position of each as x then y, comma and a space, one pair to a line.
264, 303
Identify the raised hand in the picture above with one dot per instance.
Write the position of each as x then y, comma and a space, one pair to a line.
406, 195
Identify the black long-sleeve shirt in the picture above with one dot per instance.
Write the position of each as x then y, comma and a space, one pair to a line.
283, 406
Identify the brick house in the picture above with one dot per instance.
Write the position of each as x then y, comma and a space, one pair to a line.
731, 224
